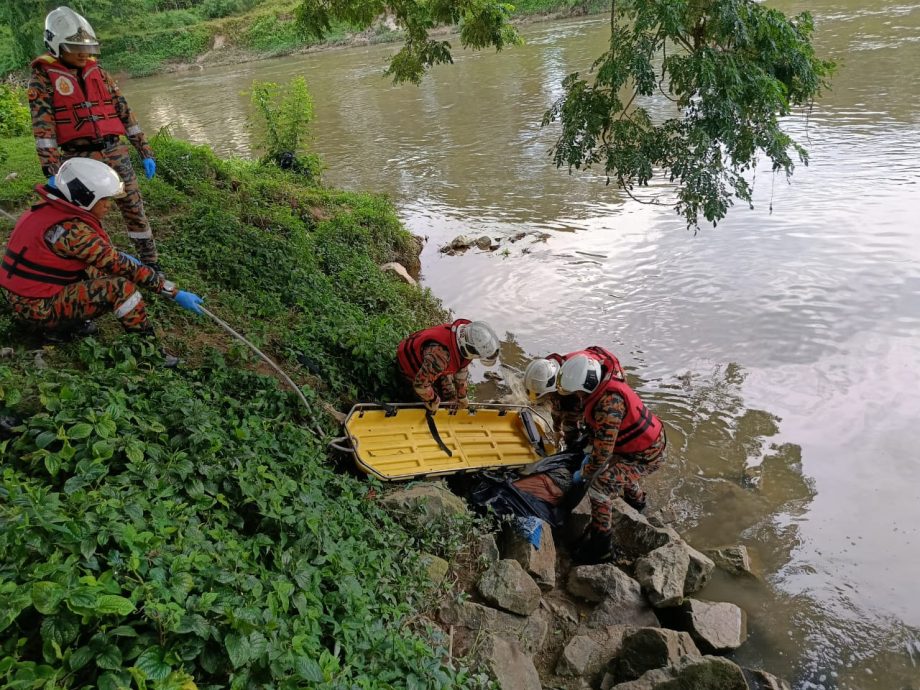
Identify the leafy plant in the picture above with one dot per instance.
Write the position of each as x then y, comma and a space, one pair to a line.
14, 115
286, 113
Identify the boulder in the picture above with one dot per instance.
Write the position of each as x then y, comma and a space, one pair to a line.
399, 271
761, 680
708, 672
484, 242
506, 585
488, 549
699, 570
435, 567
662, 574
734, 560
540, 562
650, 648
716, 627
589, 652
425, 503
576, 524
510, 666
577, 656
634, 535
530, 631
619, 597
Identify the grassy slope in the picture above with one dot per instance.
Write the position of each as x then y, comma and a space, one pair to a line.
165, 528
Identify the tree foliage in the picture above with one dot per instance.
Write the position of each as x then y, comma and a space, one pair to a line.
285, 113
483, 23
729, 69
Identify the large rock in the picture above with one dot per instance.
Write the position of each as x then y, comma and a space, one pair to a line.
634, 535
577, 522
619, 597
510, 666
435, 567
540, 562
662, 574
691, 673
761, 680
425, 503
734, 560
589, 652
716, 627
488, 549
650, 648
530, 631
506, 585
699, 570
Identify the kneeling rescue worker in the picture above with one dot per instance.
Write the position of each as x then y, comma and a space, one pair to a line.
436, 360
60, 267
628, 442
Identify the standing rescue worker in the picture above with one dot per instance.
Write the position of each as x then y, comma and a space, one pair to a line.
628, 442
436, 360
61, 269
77, 110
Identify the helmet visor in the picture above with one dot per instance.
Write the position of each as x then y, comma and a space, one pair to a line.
88, 48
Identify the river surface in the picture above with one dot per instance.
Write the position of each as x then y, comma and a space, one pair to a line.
781, 348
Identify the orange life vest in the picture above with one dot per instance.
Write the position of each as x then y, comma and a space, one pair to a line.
409, 351
79, 113
639, 428
30, 268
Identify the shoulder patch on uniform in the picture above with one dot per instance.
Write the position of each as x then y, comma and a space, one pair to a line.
63, 85
33, 94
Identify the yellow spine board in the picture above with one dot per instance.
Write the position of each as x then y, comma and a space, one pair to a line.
397, 443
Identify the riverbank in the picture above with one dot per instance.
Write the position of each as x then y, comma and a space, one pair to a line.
184, 40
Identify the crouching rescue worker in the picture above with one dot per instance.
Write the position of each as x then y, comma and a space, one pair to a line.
628, 442
60, 269
435, 361
77, 110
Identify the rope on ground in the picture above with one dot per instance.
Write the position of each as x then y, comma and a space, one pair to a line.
11, 217
223, 324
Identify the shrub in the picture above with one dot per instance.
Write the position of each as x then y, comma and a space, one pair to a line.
14, 114
285, 116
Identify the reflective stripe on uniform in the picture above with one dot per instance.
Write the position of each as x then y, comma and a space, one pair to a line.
129, 305
46, 143
146, 235
133, 130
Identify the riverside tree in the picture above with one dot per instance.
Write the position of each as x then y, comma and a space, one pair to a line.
730, 69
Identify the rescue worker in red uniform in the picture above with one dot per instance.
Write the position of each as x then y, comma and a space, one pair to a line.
77, 110
627, 442
60, 268
435, 361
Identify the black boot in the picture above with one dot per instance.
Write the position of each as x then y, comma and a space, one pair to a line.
68, 332
596, 547
638, 504
170, 361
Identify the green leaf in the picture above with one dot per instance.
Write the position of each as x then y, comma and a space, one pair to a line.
106, 428
78, 431
123, 631
80, 658
109, 657
103, 450
309, 670
237, 649
45, 438
82, 598
152, 663
113, 681
47, 596
112, 603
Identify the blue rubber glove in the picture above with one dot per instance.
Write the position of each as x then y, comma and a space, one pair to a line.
150, 168
51, 182
132, 259
576, 478
188, 300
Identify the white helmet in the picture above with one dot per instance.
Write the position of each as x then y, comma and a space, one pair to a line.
579, 373
66, 29
478, 340
540, 378
84, 181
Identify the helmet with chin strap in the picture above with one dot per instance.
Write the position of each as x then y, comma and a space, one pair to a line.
84, 181
477, 340
67, 30
540, 378
579, 374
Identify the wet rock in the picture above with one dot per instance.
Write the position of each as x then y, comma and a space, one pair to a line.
424, 503
488, 549
460, 243
708, 672
634, 535
619, 597
734, 560
484, 242
699, 570
506, 585
6, 352
761, 680
589, 652
517, 236
510, 666
435, 567
662, 574
716, 627
540, 563
530, 631
650, 648
399, 271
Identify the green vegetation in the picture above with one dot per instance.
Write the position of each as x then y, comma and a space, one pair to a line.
286, 114
171, 529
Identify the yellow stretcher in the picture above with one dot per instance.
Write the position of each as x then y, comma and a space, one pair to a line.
395, 442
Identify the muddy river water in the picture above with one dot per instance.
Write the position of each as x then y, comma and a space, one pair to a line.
781, 348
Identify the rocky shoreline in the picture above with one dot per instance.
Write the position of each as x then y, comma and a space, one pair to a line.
535, 620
